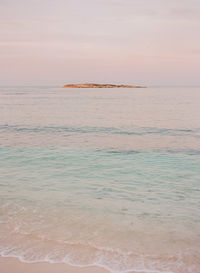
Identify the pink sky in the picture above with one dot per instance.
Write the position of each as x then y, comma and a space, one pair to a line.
151, 42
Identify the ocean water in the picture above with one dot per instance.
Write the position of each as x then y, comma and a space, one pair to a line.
107, 177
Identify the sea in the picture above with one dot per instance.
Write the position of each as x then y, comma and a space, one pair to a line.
106, 177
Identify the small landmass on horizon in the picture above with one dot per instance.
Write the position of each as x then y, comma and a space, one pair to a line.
95, 85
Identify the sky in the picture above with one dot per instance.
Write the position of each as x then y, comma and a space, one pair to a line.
150, 42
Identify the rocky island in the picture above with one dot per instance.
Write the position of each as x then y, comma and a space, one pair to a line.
95, 85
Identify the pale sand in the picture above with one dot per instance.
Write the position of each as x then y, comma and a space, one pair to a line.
13, 265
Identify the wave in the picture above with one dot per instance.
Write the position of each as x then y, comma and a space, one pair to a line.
34, 245
138, 131
110, 259
156, 151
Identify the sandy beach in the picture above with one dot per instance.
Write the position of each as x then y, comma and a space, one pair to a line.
13, 265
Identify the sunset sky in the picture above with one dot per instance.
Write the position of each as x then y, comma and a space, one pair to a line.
151, 42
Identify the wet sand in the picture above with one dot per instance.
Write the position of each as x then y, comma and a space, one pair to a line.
13, 265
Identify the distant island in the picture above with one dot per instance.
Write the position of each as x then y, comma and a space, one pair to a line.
95, 85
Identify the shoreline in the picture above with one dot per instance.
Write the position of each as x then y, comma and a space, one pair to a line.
14, 265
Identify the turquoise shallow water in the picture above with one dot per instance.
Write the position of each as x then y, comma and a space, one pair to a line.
106, 177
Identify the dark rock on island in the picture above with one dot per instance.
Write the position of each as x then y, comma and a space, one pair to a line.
95, 85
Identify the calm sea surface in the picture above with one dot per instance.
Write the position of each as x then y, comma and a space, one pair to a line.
107, 177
